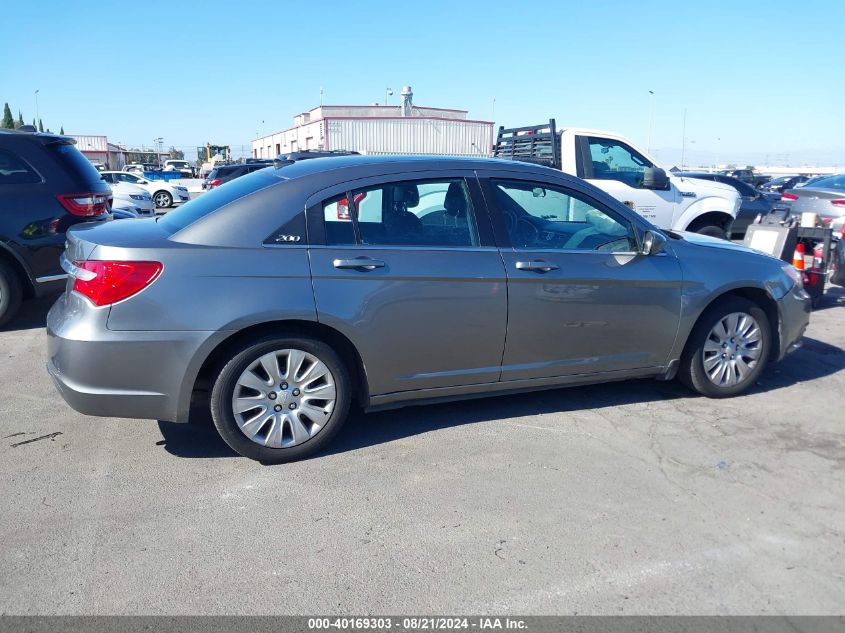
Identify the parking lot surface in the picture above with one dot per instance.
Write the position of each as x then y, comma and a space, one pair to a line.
622, 498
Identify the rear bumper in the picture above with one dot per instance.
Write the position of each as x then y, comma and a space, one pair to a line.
794, 310
124, 374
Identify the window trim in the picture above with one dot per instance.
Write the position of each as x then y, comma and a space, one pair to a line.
315, 219
503, 238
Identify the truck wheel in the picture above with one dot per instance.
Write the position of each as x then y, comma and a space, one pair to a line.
281, 398
727, 349
10, 293
711, 230
163, 199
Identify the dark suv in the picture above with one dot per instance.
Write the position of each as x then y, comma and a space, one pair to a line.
225, 173
46, 186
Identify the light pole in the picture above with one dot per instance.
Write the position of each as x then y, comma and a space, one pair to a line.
37, 115
158, 145
388, 92
650, 119
684, 138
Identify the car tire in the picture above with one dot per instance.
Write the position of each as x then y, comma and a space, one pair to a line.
700, 356
276, 422
162, 199
11, 293
711, 230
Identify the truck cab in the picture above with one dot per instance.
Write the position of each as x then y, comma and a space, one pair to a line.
614, 164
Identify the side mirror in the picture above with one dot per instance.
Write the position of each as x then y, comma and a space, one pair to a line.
653, 243
655, 178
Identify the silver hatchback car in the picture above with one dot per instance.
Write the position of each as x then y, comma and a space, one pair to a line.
287, 294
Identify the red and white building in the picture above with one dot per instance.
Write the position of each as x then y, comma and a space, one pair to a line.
100, 152
376, 129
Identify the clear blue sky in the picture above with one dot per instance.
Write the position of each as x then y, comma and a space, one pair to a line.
756, 78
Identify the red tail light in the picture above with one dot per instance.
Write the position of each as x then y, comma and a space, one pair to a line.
85, 204
838, 203
788, 196
105, 283
214, 183
343, 205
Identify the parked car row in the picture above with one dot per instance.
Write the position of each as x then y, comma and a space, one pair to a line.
163, 193
754, 202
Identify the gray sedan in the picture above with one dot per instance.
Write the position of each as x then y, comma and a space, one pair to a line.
826, 197
280, 298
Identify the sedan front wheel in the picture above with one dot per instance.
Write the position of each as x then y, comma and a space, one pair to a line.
163, 200
727, 350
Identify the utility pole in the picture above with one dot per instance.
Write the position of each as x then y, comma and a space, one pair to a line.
37, 115
650, 119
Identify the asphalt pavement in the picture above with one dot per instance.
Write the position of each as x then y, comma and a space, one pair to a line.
624, 498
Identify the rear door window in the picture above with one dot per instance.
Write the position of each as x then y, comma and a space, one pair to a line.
14, 170
435, 213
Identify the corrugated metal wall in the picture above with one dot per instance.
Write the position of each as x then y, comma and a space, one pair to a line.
91, 143
410, 136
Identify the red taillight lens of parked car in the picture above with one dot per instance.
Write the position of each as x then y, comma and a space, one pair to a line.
214, 183
343, 205
788, 196
107, 282
85, 204
838, 203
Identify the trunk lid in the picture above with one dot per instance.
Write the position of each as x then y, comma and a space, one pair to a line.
83, 239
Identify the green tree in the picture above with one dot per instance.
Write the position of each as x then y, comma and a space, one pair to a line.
19, 122
40, 126
176, 154
8, 120
62, 131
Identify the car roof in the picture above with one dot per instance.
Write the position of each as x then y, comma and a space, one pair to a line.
312, 166
43, 137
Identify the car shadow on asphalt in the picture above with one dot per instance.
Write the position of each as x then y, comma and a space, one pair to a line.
199, 439
833, 297
33, 313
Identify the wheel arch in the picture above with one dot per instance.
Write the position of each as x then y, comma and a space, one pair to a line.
757, 296
711, 218
9, 257
227, 347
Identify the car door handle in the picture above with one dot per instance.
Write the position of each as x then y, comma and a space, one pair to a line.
358, 263
538, 265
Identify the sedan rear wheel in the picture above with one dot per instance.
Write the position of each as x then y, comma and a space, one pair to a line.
163, 199
281, 399
727, 350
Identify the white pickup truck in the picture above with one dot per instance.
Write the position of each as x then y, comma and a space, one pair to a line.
614, 164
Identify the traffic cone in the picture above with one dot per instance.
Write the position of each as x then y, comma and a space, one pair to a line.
798, 256
814, 275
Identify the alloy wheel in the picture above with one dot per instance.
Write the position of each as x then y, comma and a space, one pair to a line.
162, 199
284, 398
732, 349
